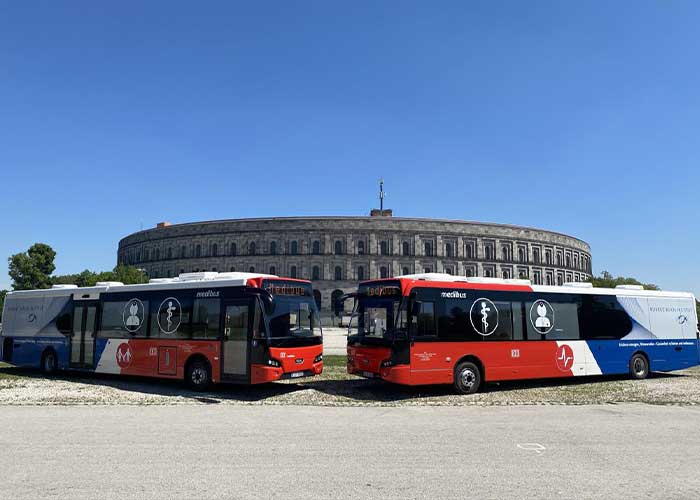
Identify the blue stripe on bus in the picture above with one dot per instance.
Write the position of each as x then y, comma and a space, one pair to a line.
613, 356
27, 351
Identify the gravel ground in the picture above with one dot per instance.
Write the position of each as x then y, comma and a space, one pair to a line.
336, 388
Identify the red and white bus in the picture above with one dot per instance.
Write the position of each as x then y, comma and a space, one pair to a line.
441, 329
200, 327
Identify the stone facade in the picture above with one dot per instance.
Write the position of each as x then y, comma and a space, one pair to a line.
337, 252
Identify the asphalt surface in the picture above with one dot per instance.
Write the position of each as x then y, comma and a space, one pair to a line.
217, 451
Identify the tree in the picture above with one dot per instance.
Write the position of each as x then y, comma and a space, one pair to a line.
32, 269
606, 280
128, 275
2, 302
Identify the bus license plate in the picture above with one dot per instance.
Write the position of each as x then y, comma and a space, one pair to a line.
369, 374
296, 374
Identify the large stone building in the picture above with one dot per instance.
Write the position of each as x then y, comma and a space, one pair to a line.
337, 252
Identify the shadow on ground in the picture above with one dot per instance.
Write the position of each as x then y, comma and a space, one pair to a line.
350, 388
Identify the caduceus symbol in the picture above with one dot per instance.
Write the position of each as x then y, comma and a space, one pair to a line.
484, 316
170, 310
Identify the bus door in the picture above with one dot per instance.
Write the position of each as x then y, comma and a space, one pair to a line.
82, 340
237, 332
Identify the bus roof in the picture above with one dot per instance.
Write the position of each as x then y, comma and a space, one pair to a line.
439, 280
183, 281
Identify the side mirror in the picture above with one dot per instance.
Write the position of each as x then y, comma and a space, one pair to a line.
266, 298
415, 308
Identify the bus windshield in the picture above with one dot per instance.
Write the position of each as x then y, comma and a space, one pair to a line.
380, 312
294, 317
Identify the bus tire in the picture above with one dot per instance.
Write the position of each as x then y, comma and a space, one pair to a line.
639, 366
467, 379
49, 362
198, 375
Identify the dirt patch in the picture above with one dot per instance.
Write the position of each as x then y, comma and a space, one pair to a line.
337, 388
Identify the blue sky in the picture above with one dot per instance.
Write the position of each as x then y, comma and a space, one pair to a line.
578, 117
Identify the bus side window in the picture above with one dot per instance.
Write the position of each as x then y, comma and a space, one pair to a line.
205, 318
517, 309
504, 329
424, 323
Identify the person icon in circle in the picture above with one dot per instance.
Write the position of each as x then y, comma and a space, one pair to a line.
542, 321
133, 320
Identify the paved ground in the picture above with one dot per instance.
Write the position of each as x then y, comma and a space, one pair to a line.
218, 451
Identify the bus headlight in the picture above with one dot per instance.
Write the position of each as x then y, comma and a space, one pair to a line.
318, 358
273, 362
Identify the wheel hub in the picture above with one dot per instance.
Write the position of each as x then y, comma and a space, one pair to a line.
467, 377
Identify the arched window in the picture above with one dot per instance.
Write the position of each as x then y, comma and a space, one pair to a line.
294, 248
522, 275
213, 269
559, 259
316, 273
548, 257
293, 272
568, 261
469, 251
360, 248
233, 269
506, 274
521, 254
251, 269
335, 295
272, 270
488, 273
383, 272
449, 250
549, 280
360, 273
338, 273
317, 298
428, 270
449, 271
169, 274
470, 273
215, 250
316, 248
505, 252
406, 248
183, 251
488, 252
146, 254
405, 271
273, 248
157, 253
170, 252
428, 247
338, 247
384, 248
198, 251
233, 249
536, 255
560, 280
251, 248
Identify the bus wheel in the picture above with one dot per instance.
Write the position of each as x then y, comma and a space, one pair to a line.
639, 366
49, 363
467, 378
198, 375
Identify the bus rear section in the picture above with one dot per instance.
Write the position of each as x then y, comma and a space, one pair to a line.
435, 329
200, 327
